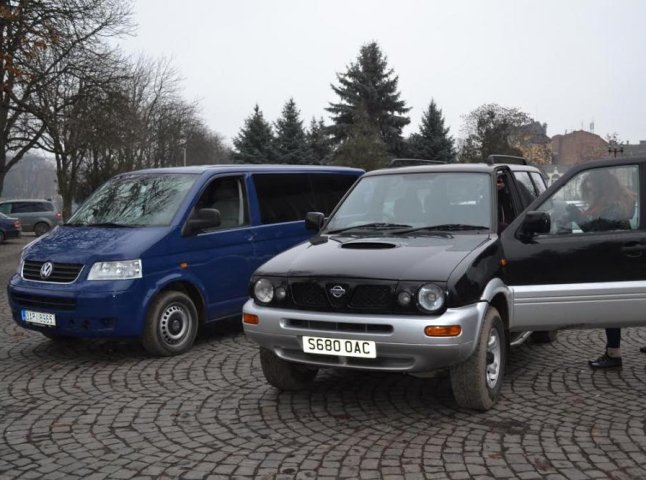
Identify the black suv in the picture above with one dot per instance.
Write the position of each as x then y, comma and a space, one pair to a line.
438, 266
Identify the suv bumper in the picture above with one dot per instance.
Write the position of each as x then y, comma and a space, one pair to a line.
402, 345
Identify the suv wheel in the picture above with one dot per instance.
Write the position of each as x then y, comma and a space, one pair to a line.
476, 382
285, 375
171, 324
41, 228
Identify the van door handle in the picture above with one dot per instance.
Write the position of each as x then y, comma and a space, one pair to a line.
633, 249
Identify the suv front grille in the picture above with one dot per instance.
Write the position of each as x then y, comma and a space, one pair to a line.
345, 295
61, 272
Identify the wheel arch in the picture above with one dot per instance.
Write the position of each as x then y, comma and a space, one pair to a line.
498, 295
184, 285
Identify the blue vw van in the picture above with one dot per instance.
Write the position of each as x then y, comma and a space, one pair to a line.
155, 253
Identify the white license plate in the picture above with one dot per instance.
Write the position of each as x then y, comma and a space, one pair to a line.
40, 318
340, 346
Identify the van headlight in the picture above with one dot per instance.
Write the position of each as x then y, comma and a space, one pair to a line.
263, 290
120, 270
430, 298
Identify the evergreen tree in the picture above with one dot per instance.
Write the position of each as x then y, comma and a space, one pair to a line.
369, 82
433, 141
319, 142
255, 142
290, 142
363, 146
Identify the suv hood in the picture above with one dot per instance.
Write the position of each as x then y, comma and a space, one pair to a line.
430, 258
89, 244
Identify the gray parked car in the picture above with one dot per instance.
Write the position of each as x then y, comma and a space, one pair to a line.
38, 216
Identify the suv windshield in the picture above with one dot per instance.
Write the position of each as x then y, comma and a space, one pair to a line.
441, 200
138, 200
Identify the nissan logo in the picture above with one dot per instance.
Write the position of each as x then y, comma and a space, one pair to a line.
337, 291
46, 270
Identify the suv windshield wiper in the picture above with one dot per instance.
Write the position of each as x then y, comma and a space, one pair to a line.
370, 226
101, 224
447, 227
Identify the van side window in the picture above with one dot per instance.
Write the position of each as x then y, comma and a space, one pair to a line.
227, 195
329, 189
283, 197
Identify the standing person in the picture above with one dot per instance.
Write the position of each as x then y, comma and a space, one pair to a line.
610, 207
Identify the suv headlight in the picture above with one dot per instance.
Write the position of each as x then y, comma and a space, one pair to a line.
263, 290
120, 270
430, 297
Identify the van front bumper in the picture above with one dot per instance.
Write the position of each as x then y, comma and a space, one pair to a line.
402, 345
84, 309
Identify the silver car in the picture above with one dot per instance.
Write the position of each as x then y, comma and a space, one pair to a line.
38, 216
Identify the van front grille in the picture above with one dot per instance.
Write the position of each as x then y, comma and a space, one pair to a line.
61, 272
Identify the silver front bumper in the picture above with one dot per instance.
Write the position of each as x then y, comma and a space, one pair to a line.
402, 345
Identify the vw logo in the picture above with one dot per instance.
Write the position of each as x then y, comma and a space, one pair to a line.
337, 291
46, 270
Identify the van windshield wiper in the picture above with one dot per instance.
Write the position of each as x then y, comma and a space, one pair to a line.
370, 226
447, 227
102, 224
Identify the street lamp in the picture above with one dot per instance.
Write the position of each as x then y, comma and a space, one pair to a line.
614, 150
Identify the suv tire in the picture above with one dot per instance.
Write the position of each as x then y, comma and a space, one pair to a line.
171, 324
476, 382
284, 375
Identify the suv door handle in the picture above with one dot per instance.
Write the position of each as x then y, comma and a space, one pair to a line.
633, 249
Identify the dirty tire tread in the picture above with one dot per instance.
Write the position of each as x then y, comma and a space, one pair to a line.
468, 382
150, 337
284, 375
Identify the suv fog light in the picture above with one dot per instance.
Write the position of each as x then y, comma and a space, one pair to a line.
448, 331
281, 293
404, 299
263, 290
250, 319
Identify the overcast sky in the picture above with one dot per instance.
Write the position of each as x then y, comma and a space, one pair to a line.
566, 63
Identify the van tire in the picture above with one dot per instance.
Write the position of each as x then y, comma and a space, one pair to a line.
171, 324
284, 375
546, 336
476, 382
41, 228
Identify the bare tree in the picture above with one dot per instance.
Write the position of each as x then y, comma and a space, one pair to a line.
36, 39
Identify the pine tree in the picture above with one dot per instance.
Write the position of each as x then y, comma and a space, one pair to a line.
319, 142
363, 147
371, 83
255, 142
433, 141
290, 143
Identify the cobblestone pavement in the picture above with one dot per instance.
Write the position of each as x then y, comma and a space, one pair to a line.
104, 409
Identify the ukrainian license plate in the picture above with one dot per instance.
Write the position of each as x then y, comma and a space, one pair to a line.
340, 346
39, 318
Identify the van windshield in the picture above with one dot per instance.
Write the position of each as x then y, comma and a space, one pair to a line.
137, 200
456, 201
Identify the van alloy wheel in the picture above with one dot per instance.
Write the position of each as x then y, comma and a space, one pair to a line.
171, 324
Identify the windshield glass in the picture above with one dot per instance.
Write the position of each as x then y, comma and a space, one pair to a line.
138, 200
447, 200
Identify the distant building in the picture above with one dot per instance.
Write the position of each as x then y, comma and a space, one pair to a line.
637, 150
577, 147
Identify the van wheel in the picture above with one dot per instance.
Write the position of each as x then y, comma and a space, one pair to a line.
285, 375
41, 229
476, 382
171, 324
548, 336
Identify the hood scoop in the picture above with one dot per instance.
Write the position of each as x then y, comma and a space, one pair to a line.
368, 245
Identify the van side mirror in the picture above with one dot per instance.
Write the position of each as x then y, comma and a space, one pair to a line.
202, 219
314, 221
535, 223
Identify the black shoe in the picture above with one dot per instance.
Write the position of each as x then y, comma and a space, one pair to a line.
643, 349
604, 361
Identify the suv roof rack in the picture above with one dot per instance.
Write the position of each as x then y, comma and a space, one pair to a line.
411, 162
511, 159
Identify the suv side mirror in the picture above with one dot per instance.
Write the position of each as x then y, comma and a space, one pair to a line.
201, 220
535, 223
314, 221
